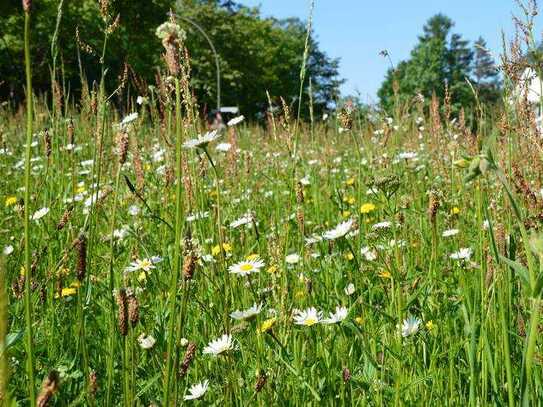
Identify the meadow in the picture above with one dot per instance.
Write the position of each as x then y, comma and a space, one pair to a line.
353, 259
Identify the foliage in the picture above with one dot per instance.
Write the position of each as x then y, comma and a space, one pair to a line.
256, 53
441, 59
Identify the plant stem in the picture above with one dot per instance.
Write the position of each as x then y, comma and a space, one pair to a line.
28, 298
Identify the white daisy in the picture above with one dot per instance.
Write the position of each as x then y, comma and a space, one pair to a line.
312, 240
339, 231
146, 341
338, 316
463, 254
197, 390
8, 250
244, 268
450, 232
219, 345
40, 213
408, 155
382, 225
202, 141
143, 265
223, 147
350, 289
410, 326
133, 210
308, 317
369, 254
128, 119
235, 120
292, 258
244, 220
248, 313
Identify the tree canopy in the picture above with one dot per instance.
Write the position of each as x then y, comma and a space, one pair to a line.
442, 59
256, 54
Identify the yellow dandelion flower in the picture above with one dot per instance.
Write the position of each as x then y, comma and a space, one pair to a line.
80, 189
147, 167
455, 210
272, 269
349, 182
359, 320
253, 256
299, 294
217, 249
430, 325
385, 274
11, 200
266, 325
346, 214
367, 208
66, 292
349, 199
349, 256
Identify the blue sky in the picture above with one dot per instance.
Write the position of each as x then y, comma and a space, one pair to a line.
356, 30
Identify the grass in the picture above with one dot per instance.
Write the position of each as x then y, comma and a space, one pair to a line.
423, 245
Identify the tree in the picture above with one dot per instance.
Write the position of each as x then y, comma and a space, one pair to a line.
485, 72
256, 54
440, 59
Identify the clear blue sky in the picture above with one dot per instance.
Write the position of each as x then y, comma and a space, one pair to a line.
356, 30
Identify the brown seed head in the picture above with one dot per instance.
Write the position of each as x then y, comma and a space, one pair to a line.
48, 389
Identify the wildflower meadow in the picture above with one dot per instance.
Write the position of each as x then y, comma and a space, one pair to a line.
154, 256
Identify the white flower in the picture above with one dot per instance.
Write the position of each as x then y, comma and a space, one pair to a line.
248, 313
128, 119
197, 390
202, 141
141, 100
462, 254
235, 120
223, 147
407, 155
143, 265
133, 210
307, 317
486, 224
410, 326
146, 341
450, 232
382, 225
244, 268
339, 231
120, 234
219, 345
197, 216
312, 240
244, 220
350, 289
305, 180
369, 254
40, 213
8, 250
338, 316
292, 258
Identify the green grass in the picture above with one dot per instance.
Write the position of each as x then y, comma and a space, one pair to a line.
470, 311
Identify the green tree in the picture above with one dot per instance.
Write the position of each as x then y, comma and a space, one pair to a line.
485, 72
440, 59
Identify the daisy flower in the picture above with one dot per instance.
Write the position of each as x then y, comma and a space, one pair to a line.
381, 225
246, 314
336, 317
463, 254
339, 231
369, 254
235, 120
146, 341
143, 265
223, 147
244, 268
410, 326
202, 141
219, 345
450, 232
8, 250
292, 258
244, 220
40, 213
308, 317
350, 289
197, 390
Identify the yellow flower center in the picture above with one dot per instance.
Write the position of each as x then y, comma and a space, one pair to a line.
246, 267
145, 264
310, 321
